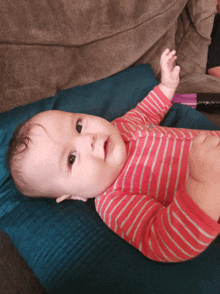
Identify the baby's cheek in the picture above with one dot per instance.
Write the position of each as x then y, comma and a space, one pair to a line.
103, 175
93, 171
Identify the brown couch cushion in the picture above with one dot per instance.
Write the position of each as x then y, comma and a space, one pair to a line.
47, 46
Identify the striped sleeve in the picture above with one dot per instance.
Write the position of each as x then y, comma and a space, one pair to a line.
150, 110
175, 233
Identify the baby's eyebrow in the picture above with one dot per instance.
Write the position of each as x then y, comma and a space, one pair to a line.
32, 125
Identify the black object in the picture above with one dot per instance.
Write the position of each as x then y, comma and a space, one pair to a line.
214, 48
215, 35
208, 102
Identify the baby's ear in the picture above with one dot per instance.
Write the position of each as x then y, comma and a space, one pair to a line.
70, 197
78, 198
61, 198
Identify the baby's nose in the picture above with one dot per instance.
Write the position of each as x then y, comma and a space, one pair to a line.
91, 141
88, 141
93, 145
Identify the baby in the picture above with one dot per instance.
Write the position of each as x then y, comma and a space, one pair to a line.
156, 187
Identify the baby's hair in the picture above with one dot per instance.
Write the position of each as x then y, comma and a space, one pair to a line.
18, 146
19, 138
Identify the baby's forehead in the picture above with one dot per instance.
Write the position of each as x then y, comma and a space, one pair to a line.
48, 119
47, 116
40, 136
54, 124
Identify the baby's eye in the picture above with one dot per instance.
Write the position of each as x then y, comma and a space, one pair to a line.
72, 158
79, 125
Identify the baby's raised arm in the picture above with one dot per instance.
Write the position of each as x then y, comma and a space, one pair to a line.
154, 106
203, 184
169, 73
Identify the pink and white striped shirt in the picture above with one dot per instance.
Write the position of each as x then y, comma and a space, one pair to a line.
147, 205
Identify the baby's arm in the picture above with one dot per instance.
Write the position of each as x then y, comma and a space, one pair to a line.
203, 184
155, 105
174, 233
169, 73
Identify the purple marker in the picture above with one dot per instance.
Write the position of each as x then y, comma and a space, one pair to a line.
187, 99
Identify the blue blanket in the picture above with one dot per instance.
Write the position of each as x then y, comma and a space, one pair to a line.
68, 247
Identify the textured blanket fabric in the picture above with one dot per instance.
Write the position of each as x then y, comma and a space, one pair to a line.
48, 46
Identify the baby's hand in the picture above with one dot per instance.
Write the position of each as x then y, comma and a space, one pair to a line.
203, 184
204, 159
169, 73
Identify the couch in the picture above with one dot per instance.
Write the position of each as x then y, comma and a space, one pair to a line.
47, 47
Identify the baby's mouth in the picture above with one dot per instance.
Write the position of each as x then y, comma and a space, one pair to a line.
106, 147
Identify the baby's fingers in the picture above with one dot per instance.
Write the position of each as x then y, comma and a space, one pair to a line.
207, 141
200, 138
177, 70
171, 57
168, 57
164, 54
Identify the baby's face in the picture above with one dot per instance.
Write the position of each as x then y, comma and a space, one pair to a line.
73, 156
